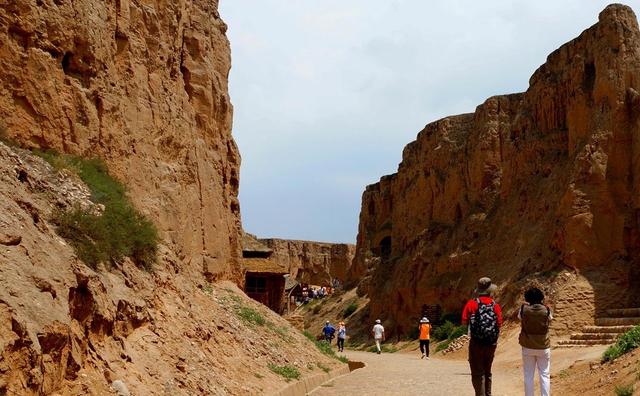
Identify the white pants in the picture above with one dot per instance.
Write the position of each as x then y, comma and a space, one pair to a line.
378, 343
542, 359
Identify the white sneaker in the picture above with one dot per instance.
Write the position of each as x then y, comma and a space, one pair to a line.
428, 358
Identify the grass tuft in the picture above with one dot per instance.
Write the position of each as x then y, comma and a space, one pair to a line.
323, 367
120, 231
624, 390
626, 343
343, 359
351, 308
288, 372
251, 316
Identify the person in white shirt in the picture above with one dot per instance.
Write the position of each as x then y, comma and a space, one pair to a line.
378, 334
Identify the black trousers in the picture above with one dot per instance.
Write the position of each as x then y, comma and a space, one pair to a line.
424, 347
340, 344
480, 361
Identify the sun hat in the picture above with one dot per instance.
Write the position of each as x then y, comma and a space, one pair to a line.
485, 287
378, 321
424, 320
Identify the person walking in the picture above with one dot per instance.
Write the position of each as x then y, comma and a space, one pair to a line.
342, 335
425, 332
328, 332
484, 317
534, 338
378, 334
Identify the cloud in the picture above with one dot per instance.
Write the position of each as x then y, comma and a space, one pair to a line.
327, 93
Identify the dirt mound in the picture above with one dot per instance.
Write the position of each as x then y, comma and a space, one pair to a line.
526, 188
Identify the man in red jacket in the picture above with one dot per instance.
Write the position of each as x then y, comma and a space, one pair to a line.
484, 317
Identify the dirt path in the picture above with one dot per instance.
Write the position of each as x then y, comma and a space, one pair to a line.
406, 374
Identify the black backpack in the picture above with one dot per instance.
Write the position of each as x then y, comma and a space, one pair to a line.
484, 324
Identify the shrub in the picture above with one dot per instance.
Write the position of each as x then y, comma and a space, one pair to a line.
443, 345
458, 331
350, 310
343, 359
288, 372
624, 390
414, 334
443, 331
323, 346
251, 316
120, 231
453, 317
626, 343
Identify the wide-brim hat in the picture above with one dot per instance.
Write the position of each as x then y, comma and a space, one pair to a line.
424, 320
485, 286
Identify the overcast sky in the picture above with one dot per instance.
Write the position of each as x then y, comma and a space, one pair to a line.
327, 93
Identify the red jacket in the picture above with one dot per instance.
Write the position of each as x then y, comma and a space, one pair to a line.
472, 307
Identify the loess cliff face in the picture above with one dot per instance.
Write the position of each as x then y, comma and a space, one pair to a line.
143, 85
316, 263
528, 186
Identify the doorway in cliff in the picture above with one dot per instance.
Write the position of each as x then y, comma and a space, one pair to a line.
385, 247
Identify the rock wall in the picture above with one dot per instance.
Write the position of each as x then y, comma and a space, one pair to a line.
527, 185
316, 263
143, 85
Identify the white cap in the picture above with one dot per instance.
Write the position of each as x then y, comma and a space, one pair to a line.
378, 321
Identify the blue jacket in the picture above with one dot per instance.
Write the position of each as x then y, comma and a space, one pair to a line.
328, 330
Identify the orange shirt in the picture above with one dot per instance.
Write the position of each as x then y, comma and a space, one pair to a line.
425, 329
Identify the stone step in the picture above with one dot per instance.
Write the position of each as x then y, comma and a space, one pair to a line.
606, 329
595, 336
585, 342
618, 321
623, 313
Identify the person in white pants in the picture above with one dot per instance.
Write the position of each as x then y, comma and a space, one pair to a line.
378, 334
534, 338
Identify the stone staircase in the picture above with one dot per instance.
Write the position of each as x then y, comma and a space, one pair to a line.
606, 330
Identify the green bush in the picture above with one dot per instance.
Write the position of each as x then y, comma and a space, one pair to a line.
322, 345
251, 316
343, 359
626, 343
414, 334
120, 231
458, 331
453, 317
443, 345
288, 372
350, 310
624, 390
443, 331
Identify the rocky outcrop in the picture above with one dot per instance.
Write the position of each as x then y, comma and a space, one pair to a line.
316, 263
525, 186
66, 329
142, 85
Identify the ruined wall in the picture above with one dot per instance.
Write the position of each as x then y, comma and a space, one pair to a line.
316, 263
528, 185
143, 85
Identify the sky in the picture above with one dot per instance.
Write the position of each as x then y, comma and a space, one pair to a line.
327, 93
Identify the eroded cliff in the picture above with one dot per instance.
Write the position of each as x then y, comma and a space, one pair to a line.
316, 263
527, 186
143, 85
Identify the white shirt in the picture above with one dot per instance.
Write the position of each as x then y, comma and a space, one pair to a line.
378, 330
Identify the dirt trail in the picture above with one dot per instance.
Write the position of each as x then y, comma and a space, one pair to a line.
404, 373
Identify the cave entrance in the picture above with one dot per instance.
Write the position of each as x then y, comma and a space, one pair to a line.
385, 247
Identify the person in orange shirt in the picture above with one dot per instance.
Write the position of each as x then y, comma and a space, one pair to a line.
425, 330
